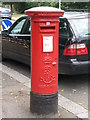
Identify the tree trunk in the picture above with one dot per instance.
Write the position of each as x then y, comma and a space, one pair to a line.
11, 8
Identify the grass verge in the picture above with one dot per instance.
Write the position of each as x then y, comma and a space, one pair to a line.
16, 15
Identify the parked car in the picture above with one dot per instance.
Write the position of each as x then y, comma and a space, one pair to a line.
74, 42
5, 13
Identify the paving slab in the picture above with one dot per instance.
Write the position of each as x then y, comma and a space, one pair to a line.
16, 101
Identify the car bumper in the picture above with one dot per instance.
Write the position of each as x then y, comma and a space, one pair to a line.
74, 68
6, 16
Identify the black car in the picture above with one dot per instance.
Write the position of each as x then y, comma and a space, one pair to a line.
74, 42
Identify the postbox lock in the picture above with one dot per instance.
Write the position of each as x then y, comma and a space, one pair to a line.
54, 63
47, 23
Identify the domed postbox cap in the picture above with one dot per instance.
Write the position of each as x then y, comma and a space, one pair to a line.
44, 11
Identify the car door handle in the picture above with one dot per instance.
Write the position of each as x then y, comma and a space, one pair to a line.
16, 37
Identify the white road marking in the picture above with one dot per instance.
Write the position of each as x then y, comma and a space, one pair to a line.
63, 102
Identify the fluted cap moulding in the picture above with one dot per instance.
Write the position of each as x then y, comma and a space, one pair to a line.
44, 11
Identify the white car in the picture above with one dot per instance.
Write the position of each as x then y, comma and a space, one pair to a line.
5, 13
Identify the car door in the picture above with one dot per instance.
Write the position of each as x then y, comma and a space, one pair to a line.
11, 41
24, 43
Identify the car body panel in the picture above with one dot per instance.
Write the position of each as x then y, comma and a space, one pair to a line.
21, 45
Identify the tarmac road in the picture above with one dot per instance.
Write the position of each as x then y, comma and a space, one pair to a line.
75, 88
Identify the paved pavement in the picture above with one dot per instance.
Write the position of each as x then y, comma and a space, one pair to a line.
16, 98
16, 101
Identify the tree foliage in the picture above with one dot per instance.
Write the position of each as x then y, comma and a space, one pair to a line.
20, 7
75, 5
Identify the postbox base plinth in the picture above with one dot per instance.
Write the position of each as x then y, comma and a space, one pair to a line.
43, 104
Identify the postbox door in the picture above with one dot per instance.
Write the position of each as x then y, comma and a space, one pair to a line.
48, 77
44, 47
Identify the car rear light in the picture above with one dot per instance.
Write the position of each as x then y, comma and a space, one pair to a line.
76, 49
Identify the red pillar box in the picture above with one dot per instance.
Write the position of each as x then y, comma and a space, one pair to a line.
44, 59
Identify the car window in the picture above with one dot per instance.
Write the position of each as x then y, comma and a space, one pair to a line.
27, 29
81, 25
64, 29
18, 27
